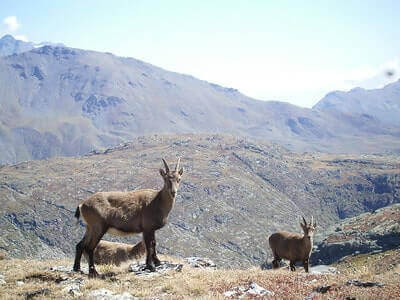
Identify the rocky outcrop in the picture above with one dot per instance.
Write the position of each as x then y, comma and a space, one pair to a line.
366, 233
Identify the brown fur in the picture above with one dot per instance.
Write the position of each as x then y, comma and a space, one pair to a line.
127, 213
293, 246
111, 253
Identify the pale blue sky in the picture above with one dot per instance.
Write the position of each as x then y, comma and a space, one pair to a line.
295, 51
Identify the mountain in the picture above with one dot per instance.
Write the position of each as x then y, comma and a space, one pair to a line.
9, 45
234, 193
63, 101
378, 104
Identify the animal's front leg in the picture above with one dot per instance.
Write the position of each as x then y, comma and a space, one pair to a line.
156, 261
149, 240
306, 265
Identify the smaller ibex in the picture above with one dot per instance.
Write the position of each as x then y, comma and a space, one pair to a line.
293, 246
111, 253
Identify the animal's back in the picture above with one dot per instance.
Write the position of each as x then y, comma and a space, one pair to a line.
283, 242
105, 203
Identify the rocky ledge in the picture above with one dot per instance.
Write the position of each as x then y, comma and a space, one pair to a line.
367, 233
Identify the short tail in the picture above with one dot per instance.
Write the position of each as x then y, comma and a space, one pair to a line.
138, 250
77, 214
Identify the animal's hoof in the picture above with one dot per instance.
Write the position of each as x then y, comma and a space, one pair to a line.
151, 268
157, 262
93, 273
76, 269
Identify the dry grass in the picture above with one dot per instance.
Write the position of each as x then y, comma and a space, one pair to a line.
205, 283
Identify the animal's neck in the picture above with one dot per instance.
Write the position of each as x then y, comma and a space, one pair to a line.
308, 241
166, 201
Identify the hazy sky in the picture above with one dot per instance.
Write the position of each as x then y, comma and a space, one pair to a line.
295, 51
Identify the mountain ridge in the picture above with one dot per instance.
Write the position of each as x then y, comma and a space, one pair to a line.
63, 101
10, 45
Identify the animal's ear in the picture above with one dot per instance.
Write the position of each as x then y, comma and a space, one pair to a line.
301, 224
162, 173
181, 171
315, 224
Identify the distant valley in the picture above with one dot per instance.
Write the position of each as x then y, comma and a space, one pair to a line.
234, 193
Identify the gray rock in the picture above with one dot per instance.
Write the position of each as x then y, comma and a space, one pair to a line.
73, 286
251, 291
139, 268
199, 262
105, 294
322, 269
30, 295
364, 284
2, 281
73, 290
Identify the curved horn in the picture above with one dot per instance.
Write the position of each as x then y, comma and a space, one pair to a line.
177, 164
305, 222
166, 166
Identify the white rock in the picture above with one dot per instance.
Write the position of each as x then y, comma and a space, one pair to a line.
199, 262
19, 283
105, 294
73, 289
253, 290
323, 269
140, 268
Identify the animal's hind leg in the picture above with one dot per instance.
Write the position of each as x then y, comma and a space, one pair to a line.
292, 266
276, 262
305, 263
78, 254
149, 240
91, 245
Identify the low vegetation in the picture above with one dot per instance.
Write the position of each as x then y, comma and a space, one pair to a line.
23, 277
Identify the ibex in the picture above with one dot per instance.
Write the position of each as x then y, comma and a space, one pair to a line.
293, 246
124, 213
111, 253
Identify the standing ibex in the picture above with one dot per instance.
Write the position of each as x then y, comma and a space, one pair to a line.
111, 253
293, 246
124, 213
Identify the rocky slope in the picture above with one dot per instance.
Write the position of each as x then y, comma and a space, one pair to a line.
235, 192
366, 233
58, 101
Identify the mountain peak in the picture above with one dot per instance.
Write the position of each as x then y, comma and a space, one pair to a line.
8, 37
